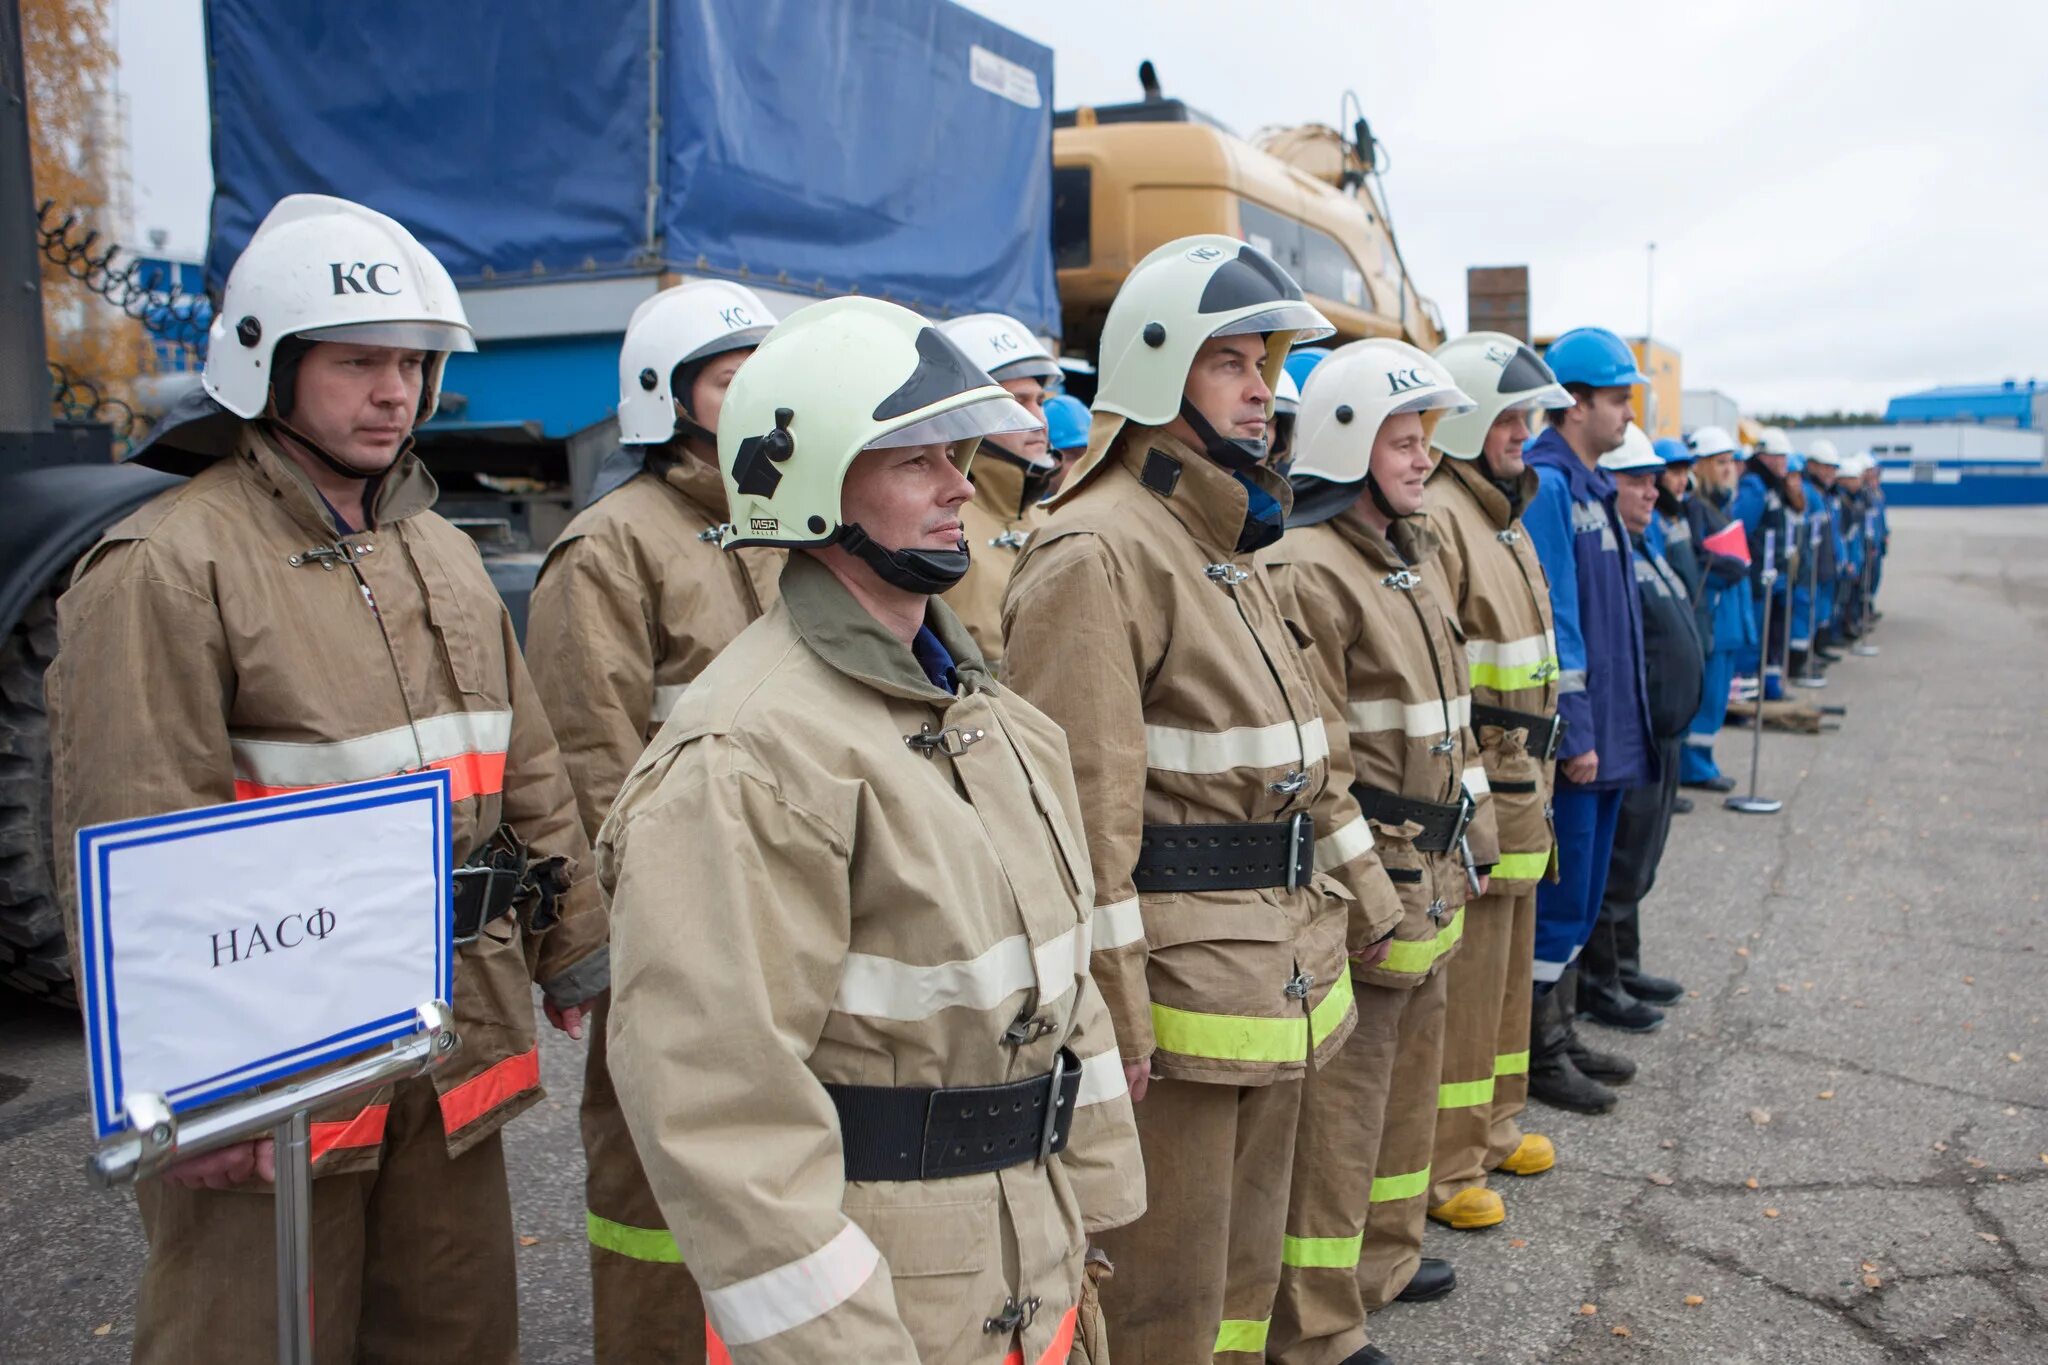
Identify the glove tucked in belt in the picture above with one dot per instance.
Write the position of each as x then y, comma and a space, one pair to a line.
1443, 823
917, 1133
1545, 732
1226, 857
498, 878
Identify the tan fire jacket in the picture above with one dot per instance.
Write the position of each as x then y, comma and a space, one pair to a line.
998, 520
225, 643
1496, 588
1385, 651
634, 600
800, 898
1136, 623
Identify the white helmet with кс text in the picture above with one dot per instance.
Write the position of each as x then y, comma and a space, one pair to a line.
682, 326
1002, 346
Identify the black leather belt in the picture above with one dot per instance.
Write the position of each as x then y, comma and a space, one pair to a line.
1545, 732
497, 877
917, 1133
1226, 857
1443, 823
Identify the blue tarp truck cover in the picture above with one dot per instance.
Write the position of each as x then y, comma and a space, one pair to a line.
898, 148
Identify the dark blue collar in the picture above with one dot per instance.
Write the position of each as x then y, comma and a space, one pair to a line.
936, 661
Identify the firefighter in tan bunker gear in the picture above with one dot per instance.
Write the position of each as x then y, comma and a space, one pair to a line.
1012, 474
1233, 870
1496, 589
1357, 569
296, 616
853, 1030
633, 601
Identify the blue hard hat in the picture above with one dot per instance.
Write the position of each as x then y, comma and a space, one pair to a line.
1794, 463
1674, 451
1302, 363
1595, 357
1066, 422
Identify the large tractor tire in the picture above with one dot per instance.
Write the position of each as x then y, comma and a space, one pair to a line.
33, 957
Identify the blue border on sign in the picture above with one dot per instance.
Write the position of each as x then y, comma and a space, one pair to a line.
96, 948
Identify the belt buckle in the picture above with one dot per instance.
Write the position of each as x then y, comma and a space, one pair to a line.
1556, 738
462, 877
1050, 1132
1301, 825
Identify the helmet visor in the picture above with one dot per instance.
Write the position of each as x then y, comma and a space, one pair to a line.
1549, 396
1031, 367
985, 417
1447, 402
745, 339
405, 336
1286, 315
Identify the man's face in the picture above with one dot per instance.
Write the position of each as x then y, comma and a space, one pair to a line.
1029, 446
1607, 417
1822, 475
1675, 479
1636, 497
359, 403
1504, 440
1401, 462
1226, 386
906, 498
1871, 479
1772, 462
707, 390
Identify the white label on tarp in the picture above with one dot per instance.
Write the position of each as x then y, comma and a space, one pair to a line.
232, 946
1001, 76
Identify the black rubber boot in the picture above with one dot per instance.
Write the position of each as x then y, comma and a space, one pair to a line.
1719, 783
1368, 1355
1611, 1004
1554, 1079
1432, 1280
1654, 990
1610, 1068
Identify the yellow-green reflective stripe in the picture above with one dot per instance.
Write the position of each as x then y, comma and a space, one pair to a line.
642, 1244
1322, 1253
1324, 1018
1513, 677
1387, 1188
1522, 867
1464, 1094
1241, 1334
1511, 1064
1420, 954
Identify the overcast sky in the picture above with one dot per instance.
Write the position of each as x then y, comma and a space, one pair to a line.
1849, 197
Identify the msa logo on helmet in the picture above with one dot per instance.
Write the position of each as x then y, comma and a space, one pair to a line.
735, 317
765, 526
365, 277
1400, 381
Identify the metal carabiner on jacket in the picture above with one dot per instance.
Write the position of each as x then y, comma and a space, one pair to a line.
1009, 540
327, 556
1229, 575
1300, 985
1288, 785
711, 535
1544, 671
1401, 580
951, 741
1511, 536
1436, 911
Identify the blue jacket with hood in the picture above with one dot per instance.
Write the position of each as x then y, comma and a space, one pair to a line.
1585, 551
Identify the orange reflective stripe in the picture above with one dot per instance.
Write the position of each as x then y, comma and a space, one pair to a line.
482, 1093
468, 775
366, 1129
714, 1349
469, 745
1055, 1354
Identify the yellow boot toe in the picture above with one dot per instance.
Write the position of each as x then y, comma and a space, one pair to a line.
1470, 1209
1533, 1157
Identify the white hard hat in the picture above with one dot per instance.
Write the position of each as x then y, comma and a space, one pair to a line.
326, 269
1823, 451
1173, 301
1857, 463
1352, 394
1501, 374
689, 322
1002, 346
1773, 441
1635, 455
1286, 395
1711, 441
840, 377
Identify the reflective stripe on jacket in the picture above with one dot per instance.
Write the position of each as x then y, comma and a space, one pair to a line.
800, 898
1495, 587
1136, 623
1385, 650
997, 523
224, 642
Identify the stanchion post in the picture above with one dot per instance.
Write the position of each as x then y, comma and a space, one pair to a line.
294, 1143
1753, 804
1863, 648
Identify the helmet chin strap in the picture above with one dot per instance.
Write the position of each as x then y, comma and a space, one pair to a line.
1036, 476
1238, 456
333, 463
929, 572
1379, 500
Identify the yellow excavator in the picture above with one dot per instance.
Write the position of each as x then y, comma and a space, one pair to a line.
1130, 177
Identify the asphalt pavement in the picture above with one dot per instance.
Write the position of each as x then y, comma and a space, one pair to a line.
1837, 1150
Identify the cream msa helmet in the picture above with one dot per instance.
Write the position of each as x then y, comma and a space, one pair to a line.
1501, 375
1346, 401
837, 378
1174, 300
683, 326
317, 269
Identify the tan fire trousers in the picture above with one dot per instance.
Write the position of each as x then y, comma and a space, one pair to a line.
1195, 1277
645, 1307
413, 1263
1486, 1043
1359, 1152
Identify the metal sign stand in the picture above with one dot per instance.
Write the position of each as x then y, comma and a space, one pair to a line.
1812, 677
157, 1138
1753, 804
1863, 648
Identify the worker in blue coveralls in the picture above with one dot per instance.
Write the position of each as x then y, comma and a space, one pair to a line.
1813, 592
1727, 616
1764, 505
1606, 748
